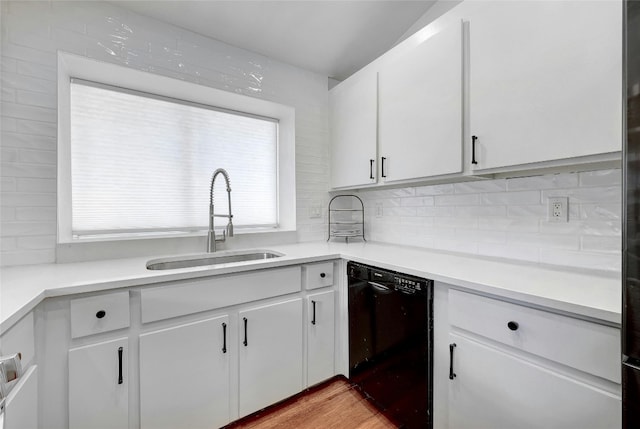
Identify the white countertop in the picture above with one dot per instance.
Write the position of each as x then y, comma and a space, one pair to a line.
591, 295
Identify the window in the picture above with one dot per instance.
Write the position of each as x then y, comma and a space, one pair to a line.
135, 162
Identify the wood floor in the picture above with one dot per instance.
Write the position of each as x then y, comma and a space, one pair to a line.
333, 405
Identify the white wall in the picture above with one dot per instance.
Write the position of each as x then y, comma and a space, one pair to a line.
507, 218
32, 32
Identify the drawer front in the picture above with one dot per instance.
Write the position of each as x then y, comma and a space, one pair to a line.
97, 314
318, 275
20, 339
583, 345
193, 296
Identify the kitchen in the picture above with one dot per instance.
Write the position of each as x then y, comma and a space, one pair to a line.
449, 221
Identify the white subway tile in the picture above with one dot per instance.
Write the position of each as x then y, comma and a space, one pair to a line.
535, 210
602, 228
29, 156
601, 211
587, 260
519, 197
8, 244
35, 214
28, 141
8, 65
461, 246
7, 213
476, 211
481, 236
8, 184
601, 178
24, 199
455, 222
565, 180
37, 128
19, 229
38, 99
8, 95
457, 200
608, 194
20, 111
592, 243
34, 70
27, 83
543, 240
8, 124
36, 185
27, 170
24, 53
435, 211
497, 185
37, 242
8, 154
509, 224
434, 190
416, 201
28, 257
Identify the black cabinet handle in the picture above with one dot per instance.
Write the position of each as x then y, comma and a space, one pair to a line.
120, 365
100, 314
245, 342
452, 374
313, 321
371, 169
323, 275
473, 149
382, 167
224, 338
513, 325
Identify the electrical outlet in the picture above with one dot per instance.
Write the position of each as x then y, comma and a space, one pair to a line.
315, 211
558, 209
378, 209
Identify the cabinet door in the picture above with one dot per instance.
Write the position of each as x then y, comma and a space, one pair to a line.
99, 385
545, 80
184, 376
353, 112
421, 109
21, 410
320, 337
493, 389
270, 354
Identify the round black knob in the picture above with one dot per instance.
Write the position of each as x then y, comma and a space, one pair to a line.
323, 275
100, 314
513, 326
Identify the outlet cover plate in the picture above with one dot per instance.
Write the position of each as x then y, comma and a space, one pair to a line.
558, 209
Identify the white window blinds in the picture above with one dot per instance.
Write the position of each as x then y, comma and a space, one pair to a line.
141, 163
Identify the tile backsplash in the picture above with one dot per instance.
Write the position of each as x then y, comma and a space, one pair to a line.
507, 218
33, 32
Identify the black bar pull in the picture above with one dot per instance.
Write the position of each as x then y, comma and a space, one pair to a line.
382, 167
224, 338
371, 169
513, 325
473, 149
120, 365
245, 342
452, 374
313, 321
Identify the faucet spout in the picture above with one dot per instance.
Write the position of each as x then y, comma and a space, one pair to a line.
228, 231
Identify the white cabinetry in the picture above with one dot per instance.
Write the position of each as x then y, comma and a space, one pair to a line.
320, 325
353, 107
545, 81
494, 389
514, 366
420, 112
270, 354
99, 385
184, 375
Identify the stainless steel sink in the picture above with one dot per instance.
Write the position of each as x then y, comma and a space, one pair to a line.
210, 259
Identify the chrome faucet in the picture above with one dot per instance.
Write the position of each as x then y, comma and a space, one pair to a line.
228, 231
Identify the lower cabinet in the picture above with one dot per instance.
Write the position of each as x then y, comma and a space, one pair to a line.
184, 376
493, 389
270, 355
22, 403
99, 385
320, 325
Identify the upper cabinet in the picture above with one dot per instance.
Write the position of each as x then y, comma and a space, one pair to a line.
420, 109
353, 107
545, 81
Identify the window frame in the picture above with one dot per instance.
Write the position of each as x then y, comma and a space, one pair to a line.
72, 66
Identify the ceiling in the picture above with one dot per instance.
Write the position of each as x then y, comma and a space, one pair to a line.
333, 38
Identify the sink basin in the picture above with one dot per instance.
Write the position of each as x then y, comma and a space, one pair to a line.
210, 259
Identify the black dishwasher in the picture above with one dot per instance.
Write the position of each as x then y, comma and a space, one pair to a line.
391, 342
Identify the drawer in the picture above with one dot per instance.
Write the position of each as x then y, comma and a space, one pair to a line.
586, 346
97, 314
193, 296
318, 275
